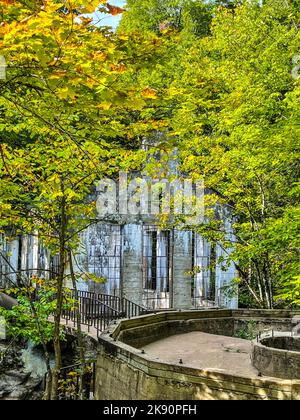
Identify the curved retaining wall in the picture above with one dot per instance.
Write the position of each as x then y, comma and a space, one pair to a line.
277, 356
125, 373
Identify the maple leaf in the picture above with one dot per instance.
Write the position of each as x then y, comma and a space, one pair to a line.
149, 93
114, 10
119, 68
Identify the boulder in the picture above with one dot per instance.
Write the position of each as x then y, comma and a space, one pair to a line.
7, 302
15, 382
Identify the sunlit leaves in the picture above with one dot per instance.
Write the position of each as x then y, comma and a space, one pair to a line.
235, 115
149, 93
114, 10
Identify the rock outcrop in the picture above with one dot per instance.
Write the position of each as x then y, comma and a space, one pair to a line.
7, 302
15, 382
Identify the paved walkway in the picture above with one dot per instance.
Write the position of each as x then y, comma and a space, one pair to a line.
201, 350
91, 331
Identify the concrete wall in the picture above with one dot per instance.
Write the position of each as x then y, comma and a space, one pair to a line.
125, 373
142, 331
116, 253
281, 363
100, 254
140, 336
9, 255
182, 265
23, 254
132, 268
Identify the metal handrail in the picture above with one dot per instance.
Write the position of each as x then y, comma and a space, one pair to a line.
92, 312
124, 305
99, 310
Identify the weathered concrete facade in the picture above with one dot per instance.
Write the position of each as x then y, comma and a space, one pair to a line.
23, 256
156, 268
132, 288
136, 260
183, 262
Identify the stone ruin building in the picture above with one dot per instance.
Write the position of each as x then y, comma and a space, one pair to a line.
151, 267
154, 268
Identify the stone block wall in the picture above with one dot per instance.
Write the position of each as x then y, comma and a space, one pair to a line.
124, 372
272, 360
122, 375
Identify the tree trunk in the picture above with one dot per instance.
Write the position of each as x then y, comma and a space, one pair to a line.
79, 331
60, 289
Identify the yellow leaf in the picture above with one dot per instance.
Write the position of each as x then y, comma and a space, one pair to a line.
149, 93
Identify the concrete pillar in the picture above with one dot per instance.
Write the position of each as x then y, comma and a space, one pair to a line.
202, 251
14, 258
44, 262
8, 261
29, 255
81, 262
24, 254
182, 264
132, 269
226, 291
35, 254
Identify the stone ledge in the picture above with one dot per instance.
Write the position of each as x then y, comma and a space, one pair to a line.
271, 361
120, 364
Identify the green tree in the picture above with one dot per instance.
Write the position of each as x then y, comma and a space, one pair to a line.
237, 123
163, 15
70, 109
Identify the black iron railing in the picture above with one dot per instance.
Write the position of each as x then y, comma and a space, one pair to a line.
94, 310
76, 382
127, 308
90, 311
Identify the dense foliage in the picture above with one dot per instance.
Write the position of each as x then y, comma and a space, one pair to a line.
70, 107
230, 96
218, 80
